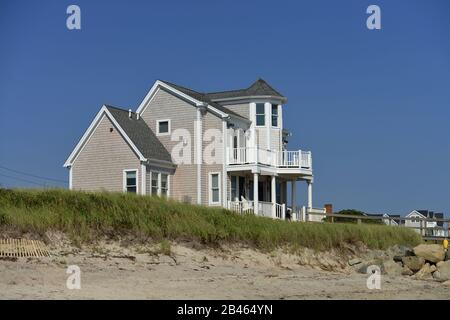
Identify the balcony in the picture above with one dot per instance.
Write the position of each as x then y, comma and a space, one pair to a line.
279, 159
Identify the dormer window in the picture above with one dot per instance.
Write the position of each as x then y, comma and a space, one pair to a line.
260, 114
274, 115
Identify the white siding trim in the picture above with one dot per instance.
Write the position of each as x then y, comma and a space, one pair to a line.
211, 203
70, 178
268, 110
198, 158
224, 164
143, 180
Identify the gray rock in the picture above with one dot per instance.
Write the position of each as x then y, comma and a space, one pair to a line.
398, 258
355, 261
399, 250
436, 275
444, 271
391, 268
430, 252
414, 263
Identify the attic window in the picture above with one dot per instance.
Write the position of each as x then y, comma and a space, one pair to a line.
163, 127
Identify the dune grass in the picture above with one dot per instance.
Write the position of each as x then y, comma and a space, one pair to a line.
85, 217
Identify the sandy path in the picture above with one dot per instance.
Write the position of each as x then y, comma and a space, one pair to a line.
196, 274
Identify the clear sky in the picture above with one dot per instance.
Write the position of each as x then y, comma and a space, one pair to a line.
372, 105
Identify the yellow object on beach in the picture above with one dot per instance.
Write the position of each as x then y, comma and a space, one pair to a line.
445, 244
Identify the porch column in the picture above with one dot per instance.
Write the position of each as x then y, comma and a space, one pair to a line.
255, 192
309, 194
293, 195
273, 196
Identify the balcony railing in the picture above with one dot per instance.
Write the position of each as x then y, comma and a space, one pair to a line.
280, 159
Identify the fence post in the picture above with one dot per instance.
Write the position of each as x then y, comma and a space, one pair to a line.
283, 213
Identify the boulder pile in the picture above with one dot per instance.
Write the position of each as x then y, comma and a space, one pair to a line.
426, 261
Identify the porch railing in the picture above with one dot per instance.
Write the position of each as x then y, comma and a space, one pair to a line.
266, 209
282, 159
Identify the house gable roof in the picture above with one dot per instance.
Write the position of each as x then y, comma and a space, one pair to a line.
135, 132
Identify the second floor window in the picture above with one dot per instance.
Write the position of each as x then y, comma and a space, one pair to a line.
163, 127
274, 115
260, 114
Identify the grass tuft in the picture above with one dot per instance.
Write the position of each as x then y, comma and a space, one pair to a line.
87, 216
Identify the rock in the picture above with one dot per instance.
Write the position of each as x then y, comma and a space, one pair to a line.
398, 250
391, 268
436, 275
365, 265
444, 271
431, 252
407, 271
440, 263
424, 273
433, 268
398, 258
352, 262
414, 263
446, 283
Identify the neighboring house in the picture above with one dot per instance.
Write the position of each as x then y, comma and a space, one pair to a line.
390, 219
165, 148
430, 228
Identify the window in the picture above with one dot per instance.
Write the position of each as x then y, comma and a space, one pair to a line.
160, 184
154, 183
163, 127
260, 114
130, 181
274, 115
214, 188
164, 185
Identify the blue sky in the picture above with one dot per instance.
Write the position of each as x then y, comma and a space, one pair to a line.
372, 105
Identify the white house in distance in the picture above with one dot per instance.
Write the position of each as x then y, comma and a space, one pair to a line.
430, 228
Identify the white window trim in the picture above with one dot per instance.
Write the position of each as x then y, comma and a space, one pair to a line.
168, 125
210, 189
124, 179
265, 115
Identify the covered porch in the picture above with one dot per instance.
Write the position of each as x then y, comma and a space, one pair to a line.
266, 193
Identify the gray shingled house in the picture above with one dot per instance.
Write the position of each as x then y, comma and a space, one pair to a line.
219, 149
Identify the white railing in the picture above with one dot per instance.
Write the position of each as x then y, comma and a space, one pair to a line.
265, 209
282, 159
